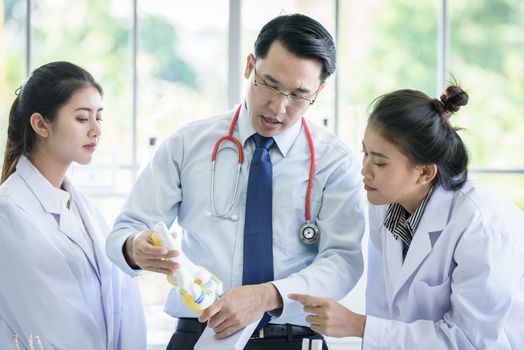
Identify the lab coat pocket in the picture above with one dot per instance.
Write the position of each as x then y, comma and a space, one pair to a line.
433, 301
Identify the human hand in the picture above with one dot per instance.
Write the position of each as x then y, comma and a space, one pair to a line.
238, 307
142, 252
330, 318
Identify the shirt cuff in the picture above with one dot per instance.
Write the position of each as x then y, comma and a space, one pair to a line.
294, 284
114, 251
375, 333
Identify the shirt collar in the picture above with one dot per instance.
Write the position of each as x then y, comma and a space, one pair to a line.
396, 222
284, 140
415, 218
52, 199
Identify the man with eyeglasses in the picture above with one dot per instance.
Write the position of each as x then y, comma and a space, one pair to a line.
256, 247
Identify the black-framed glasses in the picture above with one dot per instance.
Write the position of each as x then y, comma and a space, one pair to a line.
270, 93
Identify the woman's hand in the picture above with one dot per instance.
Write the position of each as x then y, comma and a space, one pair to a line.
330, 318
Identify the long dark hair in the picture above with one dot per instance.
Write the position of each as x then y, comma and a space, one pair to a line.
46, 90
419, 125
302, 36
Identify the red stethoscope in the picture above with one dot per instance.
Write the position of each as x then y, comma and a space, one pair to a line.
309, 232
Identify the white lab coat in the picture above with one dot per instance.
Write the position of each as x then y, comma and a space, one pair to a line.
39, 294
461, 285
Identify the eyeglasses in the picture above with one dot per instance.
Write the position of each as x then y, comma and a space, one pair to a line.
270, 93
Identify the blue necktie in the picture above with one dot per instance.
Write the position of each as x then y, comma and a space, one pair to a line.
258, 228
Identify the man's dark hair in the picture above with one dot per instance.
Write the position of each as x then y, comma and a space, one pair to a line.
302, 36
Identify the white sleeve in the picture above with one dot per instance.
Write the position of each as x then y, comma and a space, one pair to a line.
155, 197
484, 284
376, 299
339, 263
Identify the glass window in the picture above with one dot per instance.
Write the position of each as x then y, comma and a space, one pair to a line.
102, 46
487, 58
182, 67
12, 58
384, 46
508, 185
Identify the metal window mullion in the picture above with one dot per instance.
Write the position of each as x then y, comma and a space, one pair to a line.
234, 43
516, 171
134, 103
28, 40
443, 31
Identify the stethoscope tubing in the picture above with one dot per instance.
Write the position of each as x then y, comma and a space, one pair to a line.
231, 138
311, 171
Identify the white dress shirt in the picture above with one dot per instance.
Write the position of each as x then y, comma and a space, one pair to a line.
461, 284
176, 186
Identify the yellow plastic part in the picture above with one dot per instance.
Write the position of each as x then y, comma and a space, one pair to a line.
155, 239
172, 280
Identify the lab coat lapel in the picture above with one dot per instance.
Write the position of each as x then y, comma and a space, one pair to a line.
393, 257
433, 222
53, 201
69, 225
95, 229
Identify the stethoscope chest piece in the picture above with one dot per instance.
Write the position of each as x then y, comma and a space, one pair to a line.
309, 233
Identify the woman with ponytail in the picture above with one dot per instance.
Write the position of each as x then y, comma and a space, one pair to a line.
57, 285
446, 255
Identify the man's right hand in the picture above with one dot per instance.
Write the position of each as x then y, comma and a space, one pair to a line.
142, 253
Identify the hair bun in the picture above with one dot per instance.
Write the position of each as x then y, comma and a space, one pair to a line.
454, 98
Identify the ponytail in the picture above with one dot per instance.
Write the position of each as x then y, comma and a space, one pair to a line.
47, 89
13, 145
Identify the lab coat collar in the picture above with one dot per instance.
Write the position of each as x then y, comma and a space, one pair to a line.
284, 140
52, 199
433, 222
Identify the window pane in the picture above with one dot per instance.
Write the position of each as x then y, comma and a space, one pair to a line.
487, 58
182, 66
12, 59
95, 35
384, 46
256, 13
509, 185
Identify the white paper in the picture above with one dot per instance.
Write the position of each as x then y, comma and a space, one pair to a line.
316, 344
305, 344
236, 341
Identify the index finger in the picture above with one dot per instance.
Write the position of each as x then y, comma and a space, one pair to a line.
146, 246
305, 299
152, 250
211, 311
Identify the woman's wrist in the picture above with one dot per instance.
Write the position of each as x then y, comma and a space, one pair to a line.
362, 324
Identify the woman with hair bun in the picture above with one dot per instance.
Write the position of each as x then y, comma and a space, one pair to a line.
446, 255
58, 289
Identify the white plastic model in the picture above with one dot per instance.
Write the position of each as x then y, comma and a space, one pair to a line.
311, 344
198, 287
